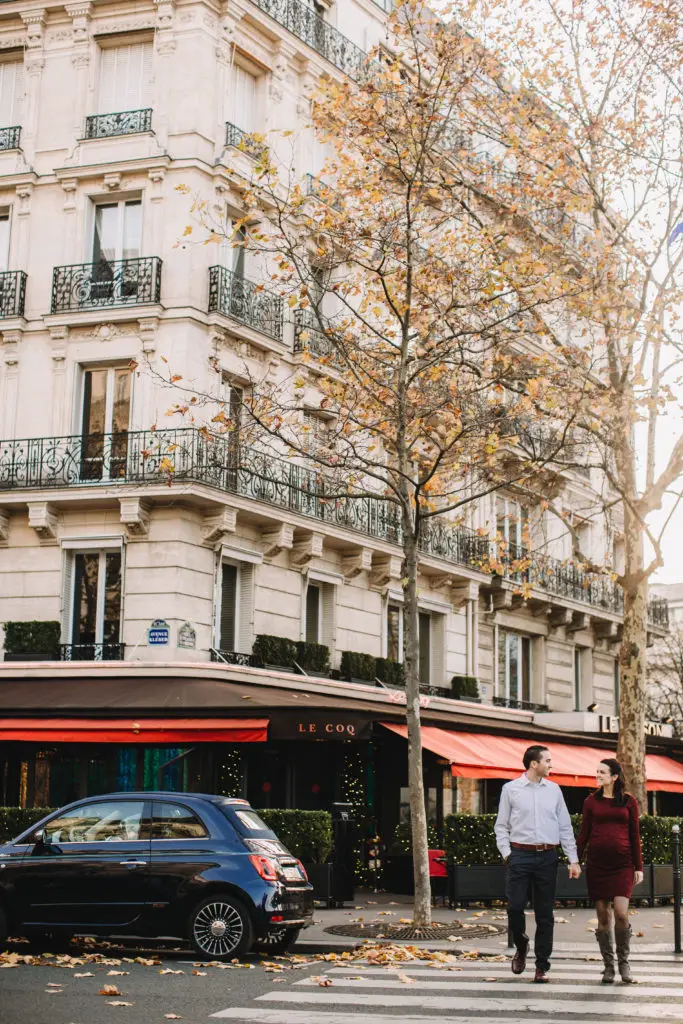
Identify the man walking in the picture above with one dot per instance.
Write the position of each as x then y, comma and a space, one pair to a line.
532, 822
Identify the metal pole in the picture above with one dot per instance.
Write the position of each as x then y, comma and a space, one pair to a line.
676, 859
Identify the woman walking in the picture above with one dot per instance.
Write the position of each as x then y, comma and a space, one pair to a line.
610, 838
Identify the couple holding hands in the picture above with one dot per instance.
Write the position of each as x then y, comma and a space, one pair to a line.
533, 821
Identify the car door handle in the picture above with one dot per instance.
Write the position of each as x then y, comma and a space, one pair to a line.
134, 863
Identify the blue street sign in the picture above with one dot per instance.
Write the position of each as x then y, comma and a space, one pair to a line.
158, 633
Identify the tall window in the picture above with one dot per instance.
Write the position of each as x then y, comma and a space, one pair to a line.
234, 620
577, 678
96, 609
394, 632
241, 105
229, 602
313, 613
117, 231
232, 249
11, 93
617, 686
514, 666
4, 238
125, 78
512, 525
105, 422
424, 624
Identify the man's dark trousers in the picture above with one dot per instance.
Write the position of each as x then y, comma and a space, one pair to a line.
531, 872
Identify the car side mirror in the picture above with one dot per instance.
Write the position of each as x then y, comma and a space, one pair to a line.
42, 837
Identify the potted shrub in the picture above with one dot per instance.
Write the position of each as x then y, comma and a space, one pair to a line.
275, 652
312, 657
32, 641
465, 688
390, 672
307, 835
357, 667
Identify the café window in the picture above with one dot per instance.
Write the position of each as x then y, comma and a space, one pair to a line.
514, 666
234, 621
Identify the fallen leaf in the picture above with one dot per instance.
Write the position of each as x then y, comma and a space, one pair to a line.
640, 934
54, 984
490, 979
172, 1016
118, 1002
199, 974
169, 970
84, 974
114, 974
109, 990
406, 979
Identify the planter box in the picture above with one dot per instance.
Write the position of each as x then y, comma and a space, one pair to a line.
397, 874
570, 888
662, 881
476, 883
482, 883
320, 877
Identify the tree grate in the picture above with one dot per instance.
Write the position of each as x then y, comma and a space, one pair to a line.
380, 930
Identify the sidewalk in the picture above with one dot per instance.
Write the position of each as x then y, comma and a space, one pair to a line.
652, 928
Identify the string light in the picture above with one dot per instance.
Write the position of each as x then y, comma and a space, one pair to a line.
230, 773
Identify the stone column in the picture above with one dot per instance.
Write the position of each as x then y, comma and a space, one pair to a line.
60, 422
80, 58
164, 69
34, 62
9, 385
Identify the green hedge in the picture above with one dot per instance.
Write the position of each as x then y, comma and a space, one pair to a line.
313, 657
306, 834
274, 650
390, 672
33, 638
355, 665
469, 838
465, 688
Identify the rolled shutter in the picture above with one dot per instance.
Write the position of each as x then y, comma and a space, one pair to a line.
11, 93
245, 617
66, 610
328, 630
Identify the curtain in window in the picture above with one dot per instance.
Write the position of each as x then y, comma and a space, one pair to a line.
242, 99
125, 78
11, 93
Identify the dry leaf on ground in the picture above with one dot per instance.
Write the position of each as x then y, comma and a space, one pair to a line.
406, 979
118, 1002
116, 974
84, 974
172, 1016
169, 970
109, 990
199, 974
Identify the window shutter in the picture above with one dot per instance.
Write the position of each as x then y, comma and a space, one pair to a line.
228, 607
11, 93
108, 66
425, 643
312, 613
328, 630
242, 99
438, 625
245, 618
146, 92
126, 78
66, 611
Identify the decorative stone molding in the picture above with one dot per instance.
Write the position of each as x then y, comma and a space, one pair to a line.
10, 346
4, 528
135, 516
112, 181
166, 42
216, 526
24, 193
34, 61
275, 541
130, 24
501, 600
80, 15
147, 329
386, 569
308, 547
43, 518
156, 176
605, 630
560, 617
356, 562
580, 620
70, 189
460, 592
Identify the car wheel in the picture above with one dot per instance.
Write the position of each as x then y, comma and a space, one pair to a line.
278, 940
221, 928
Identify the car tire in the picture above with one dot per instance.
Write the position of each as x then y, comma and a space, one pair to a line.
277, 940
220, 928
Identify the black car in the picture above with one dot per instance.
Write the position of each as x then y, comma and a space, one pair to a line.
184, 865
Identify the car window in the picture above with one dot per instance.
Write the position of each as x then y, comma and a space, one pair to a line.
251, 820
174, 821
109, 821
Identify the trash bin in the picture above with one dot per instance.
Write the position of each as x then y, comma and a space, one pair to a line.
343, 855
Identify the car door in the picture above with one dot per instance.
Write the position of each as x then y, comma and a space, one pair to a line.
182, 849
92, 870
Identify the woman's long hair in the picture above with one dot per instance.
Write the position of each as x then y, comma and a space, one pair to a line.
620, 794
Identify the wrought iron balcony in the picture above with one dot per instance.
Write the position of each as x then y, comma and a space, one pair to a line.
135, 282
126, 122
244, 141
244, 300
519, 705
565, 578
658, 612
10, 137
12, 293
235, 658
309, 337
93, 652
302, 21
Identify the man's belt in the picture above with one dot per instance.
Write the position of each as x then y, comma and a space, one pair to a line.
537, 847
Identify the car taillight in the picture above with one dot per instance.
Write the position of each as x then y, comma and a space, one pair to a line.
302, 869
266, 868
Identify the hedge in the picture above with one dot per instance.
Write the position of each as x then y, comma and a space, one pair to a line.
312, 657
465, 688
390, 672
36, 637
469, 838
355, 665
306, 834
274, 650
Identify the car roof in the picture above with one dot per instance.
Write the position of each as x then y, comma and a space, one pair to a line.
153, 794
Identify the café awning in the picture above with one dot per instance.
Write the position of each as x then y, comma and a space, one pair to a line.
487, 756
130, 730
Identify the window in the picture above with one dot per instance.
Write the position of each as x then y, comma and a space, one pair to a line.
125, 78
424, 625
241, 106
235, 606
512, 525
394, 632
11, 93
232, 249
577, 679
313, 595
96, 607
172, 821
4, 238
117, 231
110, 821
105, 422
617, 686
514, 666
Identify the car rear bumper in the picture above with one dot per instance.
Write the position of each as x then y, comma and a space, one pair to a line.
294, 907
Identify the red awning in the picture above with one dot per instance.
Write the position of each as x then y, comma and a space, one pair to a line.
485, 756
128, 730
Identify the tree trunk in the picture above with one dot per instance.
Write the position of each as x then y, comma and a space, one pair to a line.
422, 909
632, 662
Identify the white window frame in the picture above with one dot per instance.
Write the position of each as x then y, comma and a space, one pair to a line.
238, 557
120, 202
111, 369
145, 100
503, 685
72, 547
396, 600
6, 214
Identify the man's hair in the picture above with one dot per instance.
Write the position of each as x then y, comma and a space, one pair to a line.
533, 754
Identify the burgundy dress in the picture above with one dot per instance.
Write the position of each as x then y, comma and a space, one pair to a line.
610, 838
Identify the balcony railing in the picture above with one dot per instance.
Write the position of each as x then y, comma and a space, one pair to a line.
250, 303
245, 141
12, 293
10, 137
302, 21
519, 705
658, 612
73, 652
133, 282
126, 122
565, 578
308, 336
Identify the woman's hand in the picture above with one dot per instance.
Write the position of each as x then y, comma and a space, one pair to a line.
638, 877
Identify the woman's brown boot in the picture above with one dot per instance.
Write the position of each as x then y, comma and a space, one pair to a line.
604, 937
623, 940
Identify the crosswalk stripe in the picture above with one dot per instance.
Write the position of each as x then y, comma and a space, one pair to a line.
633, 992
613, 1007
594, 972
266, 1015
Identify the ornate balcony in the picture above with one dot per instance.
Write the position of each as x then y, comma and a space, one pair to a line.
244, 300
658, 613
134, 282
93, 652
309, 337
519, 705
12, 293
10, 137
302, 21
244, 141
126, 122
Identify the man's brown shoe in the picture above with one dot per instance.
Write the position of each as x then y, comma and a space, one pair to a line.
541, 977
519, 959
